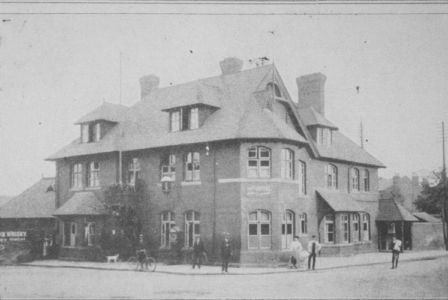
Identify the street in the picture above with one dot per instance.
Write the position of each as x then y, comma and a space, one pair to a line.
413, 279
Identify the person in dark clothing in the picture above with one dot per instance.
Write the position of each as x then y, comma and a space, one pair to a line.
396, 248
198, 249
226, 252
313, 248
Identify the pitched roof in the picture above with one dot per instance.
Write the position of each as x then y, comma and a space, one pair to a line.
107, 111
38, 201
426, 217
339, 201
4, 200
390, 210
313, 118
145, 125
80, 204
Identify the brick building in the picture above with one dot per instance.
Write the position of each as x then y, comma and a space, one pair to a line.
231, 153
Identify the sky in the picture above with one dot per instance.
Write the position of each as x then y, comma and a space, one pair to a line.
58, 62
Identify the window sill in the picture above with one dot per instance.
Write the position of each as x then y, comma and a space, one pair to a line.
92, 188
186, 183
78, 189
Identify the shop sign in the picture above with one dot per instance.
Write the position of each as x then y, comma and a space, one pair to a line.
259, 191
13, 236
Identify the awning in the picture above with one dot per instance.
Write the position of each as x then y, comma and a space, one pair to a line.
392, 211
82, 203
339, 201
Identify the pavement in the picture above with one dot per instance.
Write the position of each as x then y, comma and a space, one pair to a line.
322, 263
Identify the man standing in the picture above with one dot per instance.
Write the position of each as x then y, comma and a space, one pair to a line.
198, 249
296, 248
313, 248
396, 248
226, 252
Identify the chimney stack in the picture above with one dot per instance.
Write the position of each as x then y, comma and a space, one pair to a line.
312, 92
148, 83
231, 65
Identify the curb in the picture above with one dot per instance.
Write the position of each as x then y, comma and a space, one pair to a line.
235, 274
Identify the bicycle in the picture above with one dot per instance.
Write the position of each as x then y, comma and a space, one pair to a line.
203, 257
148, 263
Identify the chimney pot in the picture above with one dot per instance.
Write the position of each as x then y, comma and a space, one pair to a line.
231, 65
148, 83
312, 92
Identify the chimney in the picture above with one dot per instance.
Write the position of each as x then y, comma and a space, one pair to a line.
415, 180
231, 65
396, 179
312, 92
147, 84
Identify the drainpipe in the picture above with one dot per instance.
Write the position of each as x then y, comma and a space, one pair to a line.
214, 202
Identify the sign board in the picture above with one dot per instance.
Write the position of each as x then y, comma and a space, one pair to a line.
259, 191
13, 236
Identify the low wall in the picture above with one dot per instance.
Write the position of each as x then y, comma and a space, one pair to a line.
427, 236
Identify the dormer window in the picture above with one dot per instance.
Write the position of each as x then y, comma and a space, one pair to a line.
324, 136
274, 89
90, 133
184, 119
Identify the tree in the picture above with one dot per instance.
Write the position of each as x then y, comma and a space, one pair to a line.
431, 199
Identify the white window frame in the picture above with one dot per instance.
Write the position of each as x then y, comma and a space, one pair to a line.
329, 221
192, 227
355, 179
263, 241
356, 227
287, 228
93, 179
168, 168
365, 227
89, 233
192, 166
258, 165
366, 180
287, 164
97, 132
345, 228
84, 133
133, 171
175, 120
303, 224
331, 177
167, 221
302, 178
76, 180
194, 118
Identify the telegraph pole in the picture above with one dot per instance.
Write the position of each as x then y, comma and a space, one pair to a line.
445, 191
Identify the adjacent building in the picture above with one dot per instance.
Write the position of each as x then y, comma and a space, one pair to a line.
230, 153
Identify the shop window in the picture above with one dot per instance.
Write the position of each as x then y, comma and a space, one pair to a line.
366, 180
355, 179
167, 222
287, 229
89, 234
133, 171
192, 227
259, 230
192, 166
259, 162
356, 227
366, 227
303, 224
331, 176
345, 228
93, 174
329, 229
302, 178
287, 168
76, 182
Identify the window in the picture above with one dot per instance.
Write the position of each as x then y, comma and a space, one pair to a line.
366, 180
329, 229
192, 166
324, 136
76, 181
259, 162
355, 179
89, 234
345, 228
97, 132
85, 133
303, 224
287, 157
168, 166
259, 230
184, 118
302, 178
92, 174
192, 227
365, 227
167, 220
287, 229
273, 88
331, 175
70, 231
355, 219
133, 171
